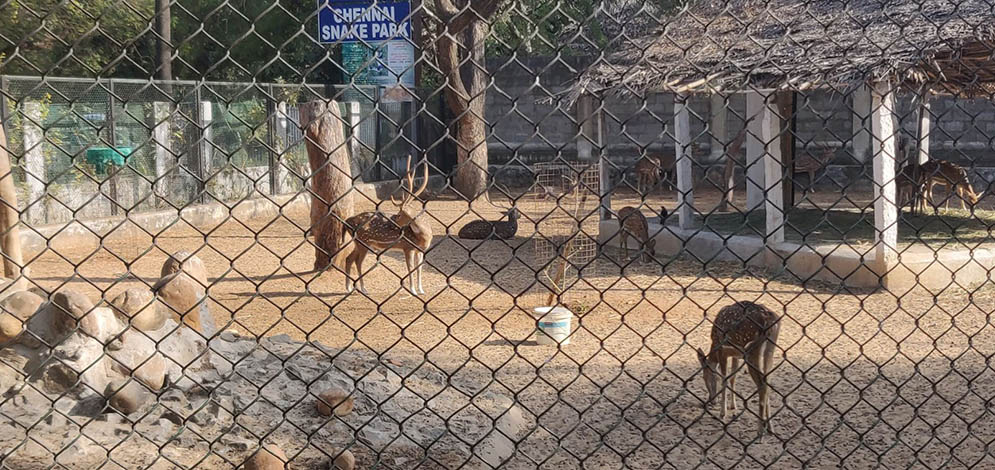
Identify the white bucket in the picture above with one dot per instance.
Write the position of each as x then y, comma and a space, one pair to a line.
553, 325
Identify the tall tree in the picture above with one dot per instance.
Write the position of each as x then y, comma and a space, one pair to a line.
459, 42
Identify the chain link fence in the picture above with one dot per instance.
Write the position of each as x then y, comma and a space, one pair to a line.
554, 241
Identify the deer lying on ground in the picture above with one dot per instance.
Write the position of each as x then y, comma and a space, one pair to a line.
743, 330
405, 231
633, 223
953, 177
488, 229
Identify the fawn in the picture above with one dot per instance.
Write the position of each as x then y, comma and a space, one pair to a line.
953, 177
743, 330
405, 231
633, 223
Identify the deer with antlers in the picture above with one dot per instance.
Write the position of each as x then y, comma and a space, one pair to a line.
406, 231
490, 229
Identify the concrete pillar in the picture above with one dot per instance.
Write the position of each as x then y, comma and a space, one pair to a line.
206, 145
754, 151
771, 135
861, 141
586, 128
164, 159
682, 146
34, 162
884, 151
282, 180
717, 126
924, 129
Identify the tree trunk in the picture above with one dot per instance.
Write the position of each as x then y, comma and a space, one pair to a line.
10, 242
331, 178
164, 42
466, 91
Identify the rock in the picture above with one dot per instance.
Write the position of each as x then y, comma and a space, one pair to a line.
345, 461
185, 298
335, 398
10, 327
140, 308
269, 457
75, 304
127, 397
22, 304
187, 262
152, 373
51, 324
8, 287
98, 322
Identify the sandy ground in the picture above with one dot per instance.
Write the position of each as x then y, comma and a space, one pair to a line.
863, 378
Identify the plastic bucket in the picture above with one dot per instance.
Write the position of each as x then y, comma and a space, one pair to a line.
553, 325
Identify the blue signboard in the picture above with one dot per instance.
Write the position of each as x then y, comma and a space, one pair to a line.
370, 22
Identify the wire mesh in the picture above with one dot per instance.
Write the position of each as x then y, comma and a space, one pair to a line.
470, 234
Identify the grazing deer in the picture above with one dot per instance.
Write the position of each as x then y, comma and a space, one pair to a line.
405, 231
489, 229
743, 330
811, 164
953, 177
911, 187
633, 223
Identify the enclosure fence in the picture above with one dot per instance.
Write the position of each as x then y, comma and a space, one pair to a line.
472, 234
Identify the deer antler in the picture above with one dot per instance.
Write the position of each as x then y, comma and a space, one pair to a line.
409, 175
507, 192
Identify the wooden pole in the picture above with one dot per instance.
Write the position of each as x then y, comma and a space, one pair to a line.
10, 242
770, 127
331, 178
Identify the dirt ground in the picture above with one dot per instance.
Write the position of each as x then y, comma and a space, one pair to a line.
863, 378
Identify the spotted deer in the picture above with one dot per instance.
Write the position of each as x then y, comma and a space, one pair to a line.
490, 229
911, 187
953, 177
405, 231
812, 164
741, 331
633, 223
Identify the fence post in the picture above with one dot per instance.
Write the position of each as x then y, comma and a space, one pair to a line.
353, 109
280, 139
377, 144
198, 160
163, 154
271, 139
583, 117
34, 162
205, 113
4, 112
112, 137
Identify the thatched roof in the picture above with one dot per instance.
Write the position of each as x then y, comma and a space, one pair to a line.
711, 45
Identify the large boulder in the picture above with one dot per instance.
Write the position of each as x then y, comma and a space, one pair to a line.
187, 262
139, 308
127, 397
16, 309
269, 457
186, 299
